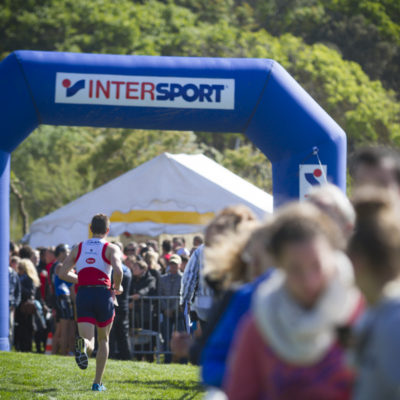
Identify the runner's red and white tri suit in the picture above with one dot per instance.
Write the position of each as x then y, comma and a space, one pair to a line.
91, 263
94, 301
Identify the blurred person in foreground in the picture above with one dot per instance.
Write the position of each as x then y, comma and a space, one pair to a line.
336, 205
375, 252
195, 292
94, 260
286, 347
225, 238
247, 265
378, 166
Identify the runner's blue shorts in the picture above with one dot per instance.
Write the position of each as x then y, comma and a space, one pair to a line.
95, 305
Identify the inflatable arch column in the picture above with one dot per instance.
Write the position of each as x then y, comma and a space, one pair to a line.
253, 96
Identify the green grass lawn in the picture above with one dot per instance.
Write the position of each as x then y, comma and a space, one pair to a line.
36, 376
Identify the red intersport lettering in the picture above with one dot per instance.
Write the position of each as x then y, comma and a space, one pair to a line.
90, 88
117, 84
106, 91
150, 90
131, 87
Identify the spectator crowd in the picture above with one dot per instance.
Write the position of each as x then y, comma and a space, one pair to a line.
41, 303
302, 305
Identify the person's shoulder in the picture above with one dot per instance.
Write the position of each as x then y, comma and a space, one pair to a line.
198, 251
389, 321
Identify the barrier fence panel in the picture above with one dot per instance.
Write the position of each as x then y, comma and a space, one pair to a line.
153, 319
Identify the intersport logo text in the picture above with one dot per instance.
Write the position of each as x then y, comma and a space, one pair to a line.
145, 91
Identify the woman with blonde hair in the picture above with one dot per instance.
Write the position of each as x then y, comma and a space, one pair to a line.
29, 280
26, 267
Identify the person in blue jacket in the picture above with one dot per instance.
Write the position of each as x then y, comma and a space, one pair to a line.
216, 348
233, 279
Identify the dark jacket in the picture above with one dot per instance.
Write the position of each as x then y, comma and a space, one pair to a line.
28, 289
143, 309
144, 285
156, 275
123, 299
216, 342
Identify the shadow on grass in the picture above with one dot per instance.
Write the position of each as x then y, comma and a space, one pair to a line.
186, 385
193, 386
42, 391
38, 391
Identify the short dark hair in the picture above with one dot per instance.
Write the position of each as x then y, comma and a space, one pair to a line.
197, 240
13, 247
166, 245
373, 157
61, 248
100, 224
152, 243
25, 251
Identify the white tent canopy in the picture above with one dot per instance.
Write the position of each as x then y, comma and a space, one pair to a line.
173, 194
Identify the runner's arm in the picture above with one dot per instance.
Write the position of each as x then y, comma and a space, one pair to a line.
116, 263
65, 269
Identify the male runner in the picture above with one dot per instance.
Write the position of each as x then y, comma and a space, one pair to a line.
94, 260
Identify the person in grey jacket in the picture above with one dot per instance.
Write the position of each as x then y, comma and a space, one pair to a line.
375, 252
170, 284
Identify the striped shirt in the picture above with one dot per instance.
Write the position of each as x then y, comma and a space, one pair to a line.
192, 285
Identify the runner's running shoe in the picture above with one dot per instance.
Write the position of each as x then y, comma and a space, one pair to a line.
81, 356
98, 387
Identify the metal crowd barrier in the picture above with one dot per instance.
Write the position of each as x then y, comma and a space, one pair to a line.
153, 319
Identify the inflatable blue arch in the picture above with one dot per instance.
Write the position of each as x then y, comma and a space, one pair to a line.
252, 96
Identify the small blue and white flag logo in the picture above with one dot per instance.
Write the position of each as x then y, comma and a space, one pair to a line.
311, 175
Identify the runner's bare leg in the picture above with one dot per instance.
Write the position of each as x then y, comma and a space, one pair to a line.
102, 352
86, 330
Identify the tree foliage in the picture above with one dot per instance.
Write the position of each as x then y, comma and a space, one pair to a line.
345, 53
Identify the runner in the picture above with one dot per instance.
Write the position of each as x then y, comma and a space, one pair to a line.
93, 260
